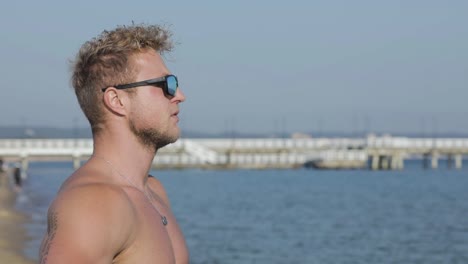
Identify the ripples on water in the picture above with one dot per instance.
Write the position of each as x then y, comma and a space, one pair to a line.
301, 216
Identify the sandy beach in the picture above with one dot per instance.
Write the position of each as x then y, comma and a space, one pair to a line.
12, 231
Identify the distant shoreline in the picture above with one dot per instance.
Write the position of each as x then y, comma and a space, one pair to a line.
22, 132
12, 226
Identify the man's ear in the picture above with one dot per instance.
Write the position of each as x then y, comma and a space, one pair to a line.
115, 101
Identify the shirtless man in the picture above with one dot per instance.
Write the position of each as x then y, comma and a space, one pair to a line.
110, 210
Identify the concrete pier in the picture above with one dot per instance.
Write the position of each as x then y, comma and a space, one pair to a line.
377, 153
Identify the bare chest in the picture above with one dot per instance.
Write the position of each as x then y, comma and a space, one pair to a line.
157, 237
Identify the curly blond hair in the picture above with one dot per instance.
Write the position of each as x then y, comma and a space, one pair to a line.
106, 60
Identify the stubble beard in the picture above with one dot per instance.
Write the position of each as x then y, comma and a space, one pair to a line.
151, 137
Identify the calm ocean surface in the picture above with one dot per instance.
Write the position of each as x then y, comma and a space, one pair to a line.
300, 216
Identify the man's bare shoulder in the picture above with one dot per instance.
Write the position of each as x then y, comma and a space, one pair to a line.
88, 221
93, 197
89, 190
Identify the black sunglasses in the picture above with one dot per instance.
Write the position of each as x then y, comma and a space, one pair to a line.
168, 83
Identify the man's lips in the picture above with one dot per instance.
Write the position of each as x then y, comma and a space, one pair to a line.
175, 115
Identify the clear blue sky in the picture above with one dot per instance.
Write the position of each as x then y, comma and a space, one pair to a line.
258, 66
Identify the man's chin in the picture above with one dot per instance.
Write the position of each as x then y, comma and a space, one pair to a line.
175, 138
177, 134
170, 139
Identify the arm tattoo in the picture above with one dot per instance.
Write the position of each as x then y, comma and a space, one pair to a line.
52, 224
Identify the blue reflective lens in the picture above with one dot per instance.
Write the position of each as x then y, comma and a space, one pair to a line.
171, 85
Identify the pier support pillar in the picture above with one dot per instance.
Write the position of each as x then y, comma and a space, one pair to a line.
450, 161
458, 161
425, 161
434, 161
401, 162
24, 164
76, 162
391, 162
384, 162
397, 162
228, 157
454, 160
375, 162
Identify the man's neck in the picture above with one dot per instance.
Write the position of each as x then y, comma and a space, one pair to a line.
127, 154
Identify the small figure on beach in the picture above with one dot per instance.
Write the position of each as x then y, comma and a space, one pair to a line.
110, 210
17, 178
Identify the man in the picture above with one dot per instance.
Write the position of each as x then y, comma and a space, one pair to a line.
110, 210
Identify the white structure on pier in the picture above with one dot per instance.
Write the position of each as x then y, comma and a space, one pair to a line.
384, 152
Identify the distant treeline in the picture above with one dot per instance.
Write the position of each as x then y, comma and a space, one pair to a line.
53, 132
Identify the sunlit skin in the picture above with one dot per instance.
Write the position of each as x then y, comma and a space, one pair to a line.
100, 214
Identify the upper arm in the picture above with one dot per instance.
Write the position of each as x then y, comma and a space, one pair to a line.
86, 225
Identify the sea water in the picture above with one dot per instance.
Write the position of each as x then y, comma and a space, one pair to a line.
299, 216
